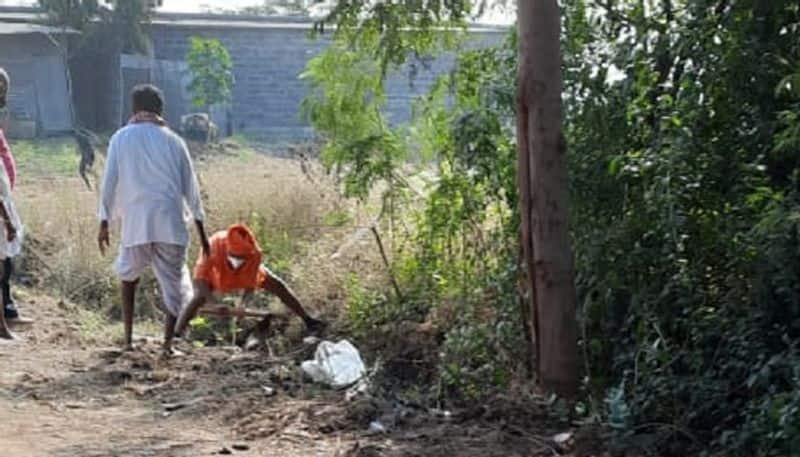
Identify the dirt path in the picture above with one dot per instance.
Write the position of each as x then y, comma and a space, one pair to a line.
62, 397
63, 394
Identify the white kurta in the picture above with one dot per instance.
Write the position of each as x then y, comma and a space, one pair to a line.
149, 183
13, 248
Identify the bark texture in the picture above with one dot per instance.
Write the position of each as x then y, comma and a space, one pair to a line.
548, 292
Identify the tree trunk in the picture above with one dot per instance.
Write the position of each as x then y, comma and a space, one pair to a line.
548, 291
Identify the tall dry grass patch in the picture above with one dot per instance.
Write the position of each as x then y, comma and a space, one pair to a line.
310, 235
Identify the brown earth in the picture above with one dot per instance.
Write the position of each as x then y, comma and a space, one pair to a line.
63, 394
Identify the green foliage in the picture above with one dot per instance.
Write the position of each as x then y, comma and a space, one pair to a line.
118, 29
212, 72
683, 125
337, 218
50, 157
391, 32
278, 246
363, 307
75, 14
682, 201
463, 227
345, 82
619, 414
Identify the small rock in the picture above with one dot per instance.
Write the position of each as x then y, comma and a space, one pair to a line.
311, 340
224, 451
180, 405
118, 377
268, 391
563, 441
376, 428
110, 353
240, 447
562, 438
174, 406
360, 389
252, 343
159, 376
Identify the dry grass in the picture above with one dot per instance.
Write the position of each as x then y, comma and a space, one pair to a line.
300, 219
292, 206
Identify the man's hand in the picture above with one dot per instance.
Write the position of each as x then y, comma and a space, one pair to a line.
103, 241
11, 232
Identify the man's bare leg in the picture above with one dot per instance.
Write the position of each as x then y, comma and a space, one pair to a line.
169, 334
202, 292
128, 300
276, 286
5, 333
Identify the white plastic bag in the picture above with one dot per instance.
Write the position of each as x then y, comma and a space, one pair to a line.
335, 364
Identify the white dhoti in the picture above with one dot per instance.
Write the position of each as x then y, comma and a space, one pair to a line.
169, 265
11, 248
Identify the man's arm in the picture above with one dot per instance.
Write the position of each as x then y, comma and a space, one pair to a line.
5, 195
201, 232
191, 194
11, 231
108, 193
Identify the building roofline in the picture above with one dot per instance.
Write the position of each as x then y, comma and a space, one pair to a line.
14, 28
33, 15
233, 21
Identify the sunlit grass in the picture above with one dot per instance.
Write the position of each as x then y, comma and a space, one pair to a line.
46, 157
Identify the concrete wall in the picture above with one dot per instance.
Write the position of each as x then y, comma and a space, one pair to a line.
267, 63
39, 100
96, 89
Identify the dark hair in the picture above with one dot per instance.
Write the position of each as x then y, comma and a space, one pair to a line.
147, 97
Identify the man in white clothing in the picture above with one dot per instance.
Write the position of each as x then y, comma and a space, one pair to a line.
149, 184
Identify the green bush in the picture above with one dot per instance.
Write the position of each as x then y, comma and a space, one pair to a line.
682, 126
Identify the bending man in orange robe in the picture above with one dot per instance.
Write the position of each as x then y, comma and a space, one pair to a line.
235, 265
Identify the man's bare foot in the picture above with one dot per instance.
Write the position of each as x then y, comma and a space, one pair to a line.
7, 335
128, 347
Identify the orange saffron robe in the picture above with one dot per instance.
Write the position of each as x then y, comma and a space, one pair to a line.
215, 269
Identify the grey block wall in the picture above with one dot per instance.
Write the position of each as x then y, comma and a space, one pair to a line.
39, 99
267, 65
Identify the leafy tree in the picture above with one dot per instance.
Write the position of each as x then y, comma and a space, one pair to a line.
274, 7
212, 72
118, 29
105, 33
76, 14
681, 120
390, 33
